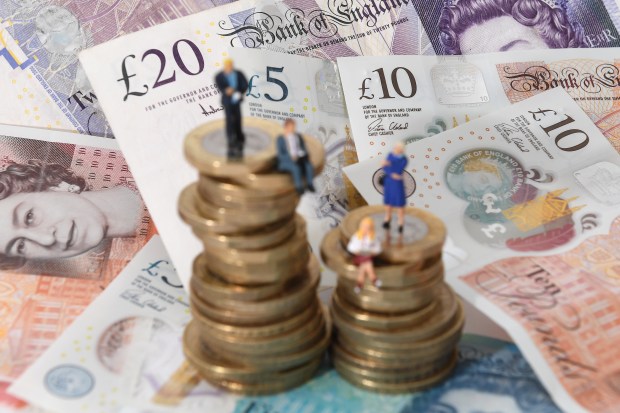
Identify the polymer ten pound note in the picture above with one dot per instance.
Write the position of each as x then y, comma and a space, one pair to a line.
409, 98
539, 182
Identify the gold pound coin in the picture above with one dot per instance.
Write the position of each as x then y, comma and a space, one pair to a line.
258, 330
216, 368
279, 348
263, 238
206, 147
294, 290
380, 321
267, 346
273, 264
398, 387
201, 223
276, 183
232, 195
270, 384
212, 288
423, 235
406, 352
448, 307
336, 257
249, 217
418, 363
297, 296
395, 300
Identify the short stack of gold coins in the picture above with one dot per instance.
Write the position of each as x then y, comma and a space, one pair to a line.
402, 336
258, 326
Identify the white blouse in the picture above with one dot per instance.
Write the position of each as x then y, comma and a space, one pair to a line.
364, 245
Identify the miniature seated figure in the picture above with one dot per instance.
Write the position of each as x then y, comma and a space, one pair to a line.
293, 157
394, 186
364, 246
232, 85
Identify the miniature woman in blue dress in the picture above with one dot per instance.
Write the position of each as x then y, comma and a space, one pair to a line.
394, 186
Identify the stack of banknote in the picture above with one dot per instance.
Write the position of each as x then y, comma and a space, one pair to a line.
402, 336
258, 325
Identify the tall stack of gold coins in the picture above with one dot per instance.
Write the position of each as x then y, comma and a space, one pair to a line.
402, 335
258, 326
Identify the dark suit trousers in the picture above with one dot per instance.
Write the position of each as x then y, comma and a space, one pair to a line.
300, 170
234, 134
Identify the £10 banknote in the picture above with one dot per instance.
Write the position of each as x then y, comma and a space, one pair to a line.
530, 195
407, 98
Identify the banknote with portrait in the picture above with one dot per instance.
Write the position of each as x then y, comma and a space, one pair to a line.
530, 195
457, 27
72, 218
408, 98
125, 350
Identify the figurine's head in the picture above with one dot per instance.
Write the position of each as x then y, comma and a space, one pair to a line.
399, 148
289, 126
228, 65
366, 228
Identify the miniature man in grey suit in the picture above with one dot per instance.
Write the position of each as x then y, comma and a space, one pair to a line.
293, 157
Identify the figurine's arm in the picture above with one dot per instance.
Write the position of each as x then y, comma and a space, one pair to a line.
355, 245
243, 83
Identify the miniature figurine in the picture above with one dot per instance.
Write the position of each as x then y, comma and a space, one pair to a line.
364, 246
293, 157
394, 186
232, 85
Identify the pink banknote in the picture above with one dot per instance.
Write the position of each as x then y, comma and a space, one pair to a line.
594, 84
71, 219
569, 306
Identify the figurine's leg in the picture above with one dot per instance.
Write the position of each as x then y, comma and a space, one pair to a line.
297, 179
388, 217
237, 131
401, 219
309, 174
373, 276
361, 275
230, 131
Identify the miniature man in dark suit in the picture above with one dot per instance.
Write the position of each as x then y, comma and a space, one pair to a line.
232, 85
293, 157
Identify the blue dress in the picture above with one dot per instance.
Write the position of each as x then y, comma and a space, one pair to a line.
394, 190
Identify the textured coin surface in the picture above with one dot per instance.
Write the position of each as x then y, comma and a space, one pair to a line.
270, 384
233, 195
399, 387
206, 147
418, 364
297, 296
215, 368
390, 353
276, 351
262, 238
392, 300
276, 183
448, 307
379, 321
212, 288
259, 330
423, 235
274, 264
336, 257
201, 223
248, 217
